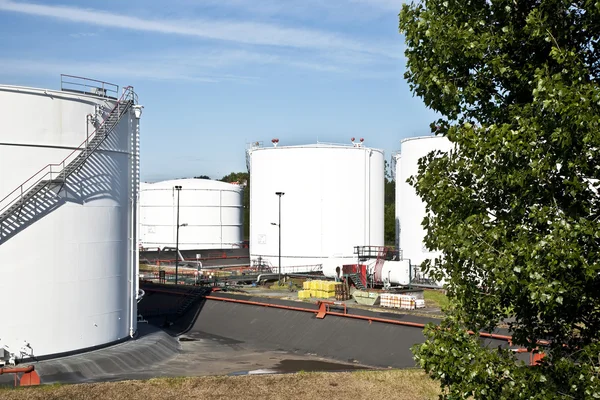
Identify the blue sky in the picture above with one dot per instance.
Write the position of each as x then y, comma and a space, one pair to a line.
214, 75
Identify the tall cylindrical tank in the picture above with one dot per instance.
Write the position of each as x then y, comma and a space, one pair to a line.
333, 200
211, 212
410, 209
67, 229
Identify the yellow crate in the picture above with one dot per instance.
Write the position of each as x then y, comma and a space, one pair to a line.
306, 285
304, 294
329, 294
312, 285
329, 286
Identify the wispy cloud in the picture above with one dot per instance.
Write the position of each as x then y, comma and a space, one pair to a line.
386, 5
83, 35
232, 31
129, 70
334, 10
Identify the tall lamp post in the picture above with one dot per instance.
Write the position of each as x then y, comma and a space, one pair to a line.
279, 226
178, 189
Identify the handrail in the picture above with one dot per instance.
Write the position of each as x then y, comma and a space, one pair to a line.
127, 92
105, 86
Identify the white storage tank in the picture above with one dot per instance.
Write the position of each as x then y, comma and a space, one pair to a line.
68, 198
333, 201
211, 213
410, 209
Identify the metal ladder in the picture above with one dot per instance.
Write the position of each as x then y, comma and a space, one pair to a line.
39, 193
356, 278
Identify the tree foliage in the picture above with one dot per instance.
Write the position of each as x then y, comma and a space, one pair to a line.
389, 207
514, 208
240, 177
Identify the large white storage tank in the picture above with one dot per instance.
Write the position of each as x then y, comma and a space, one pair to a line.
333, 201
410, 209
68, 259
211, 211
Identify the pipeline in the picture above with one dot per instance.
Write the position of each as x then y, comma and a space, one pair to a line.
345, 315
16, 370
28, 378
324, 309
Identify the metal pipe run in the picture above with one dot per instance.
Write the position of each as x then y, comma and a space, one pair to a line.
16, 370
299, 275
360, 317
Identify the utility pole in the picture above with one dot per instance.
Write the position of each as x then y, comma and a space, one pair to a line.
178, 189
279, 225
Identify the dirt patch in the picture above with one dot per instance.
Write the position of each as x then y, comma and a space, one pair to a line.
392, 384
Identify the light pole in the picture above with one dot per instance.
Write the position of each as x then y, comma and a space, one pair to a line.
279, 226
178, 189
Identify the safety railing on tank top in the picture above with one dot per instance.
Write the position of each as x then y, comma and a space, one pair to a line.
53, 170
72, 83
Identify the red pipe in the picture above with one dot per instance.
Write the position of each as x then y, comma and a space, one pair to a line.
321, 312
16, 370
256, 303
166, 291
361, 317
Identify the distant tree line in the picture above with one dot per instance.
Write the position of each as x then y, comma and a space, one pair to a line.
389, 213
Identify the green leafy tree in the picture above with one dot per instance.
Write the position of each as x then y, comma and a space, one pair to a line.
514, 208
202, 177
240, 177
389, 207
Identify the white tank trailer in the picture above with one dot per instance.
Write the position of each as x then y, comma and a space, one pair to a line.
210, 214
410, 209
331, 201
69, 174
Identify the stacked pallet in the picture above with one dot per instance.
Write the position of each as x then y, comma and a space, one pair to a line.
318, 289
342, 292
402, 301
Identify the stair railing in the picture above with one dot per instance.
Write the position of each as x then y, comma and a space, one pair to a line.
50, 169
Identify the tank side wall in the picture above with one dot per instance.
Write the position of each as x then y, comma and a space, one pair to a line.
213, 217
70, 269
411, 209
377, 201
333, 201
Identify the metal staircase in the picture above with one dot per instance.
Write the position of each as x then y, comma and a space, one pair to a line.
357, 279
39, 194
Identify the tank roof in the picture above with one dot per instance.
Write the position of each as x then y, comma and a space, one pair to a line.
191, 183
422, 137
320, 145
51, 92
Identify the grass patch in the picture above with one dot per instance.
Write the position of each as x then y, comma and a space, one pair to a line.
390, 384
435, 298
